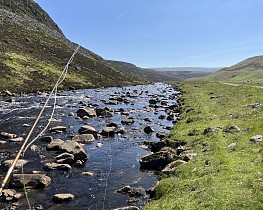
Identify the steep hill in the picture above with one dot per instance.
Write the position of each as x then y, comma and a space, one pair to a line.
249, 69
33, 51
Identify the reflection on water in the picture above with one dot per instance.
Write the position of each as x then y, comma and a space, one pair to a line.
115, 164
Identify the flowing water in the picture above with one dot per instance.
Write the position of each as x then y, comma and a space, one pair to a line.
115, 164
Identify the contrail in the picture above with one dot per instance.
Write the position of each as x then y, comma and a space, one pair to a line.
119, 17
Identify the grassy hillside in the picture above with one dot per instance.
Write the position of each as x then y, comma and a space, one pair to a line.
34, 51
245, 71
227, 172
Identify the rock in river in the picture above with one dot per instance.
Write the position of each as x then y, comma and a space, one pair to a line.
74, 148
132, 192
56, 166
82, 112
65, 158
11, 195
58, 129
157, 161
86, 129
84, 138
108, 131
148, 129
7, 163
54, 145
59, 198
46, 138
5, 135
30, 180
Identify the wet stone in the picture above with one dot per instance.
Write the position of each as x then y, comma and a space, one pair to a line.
5, 135
59, 198
161, 134
10, 195
65, 158
54, 145
132, 192
18, 139
30, 180
108, 132
148, 129
157, 161
88, 173
7, 163
74, 148
56, 166
127, 121
86, 129
84, 138
86, 112
58, 129
46, 138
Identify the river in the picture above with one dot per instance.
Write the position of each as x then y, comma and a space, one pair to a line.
114, 161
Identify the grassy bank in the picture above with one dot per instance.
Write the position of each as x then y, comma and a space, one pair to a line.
221, 176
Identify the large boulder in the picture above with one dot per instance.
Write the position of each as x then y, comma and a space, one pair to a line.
157, 161
86, 112
30, 180
74, 148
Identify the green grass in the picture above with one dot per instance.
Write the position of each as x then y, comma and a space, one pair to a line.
218, 178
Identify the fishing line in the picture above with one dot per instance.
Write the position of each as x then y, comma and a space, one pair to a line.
109, 172
24, 146
108, 175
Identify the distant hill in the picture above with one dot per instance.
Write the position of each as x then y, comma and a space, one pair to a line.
249, 69
33, 51
189, 69
162, 74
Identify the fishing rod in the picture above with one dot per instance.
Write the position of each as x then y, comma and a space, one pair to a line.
22, 149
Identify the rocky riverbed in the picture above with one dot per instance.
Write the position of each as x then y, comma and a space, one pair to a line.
96, 152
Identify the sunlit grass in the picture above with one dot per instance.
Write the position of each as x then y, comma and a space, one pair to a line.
219, 177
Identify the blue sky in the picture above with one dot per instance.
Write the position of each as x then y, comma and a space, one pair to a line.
163, 33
